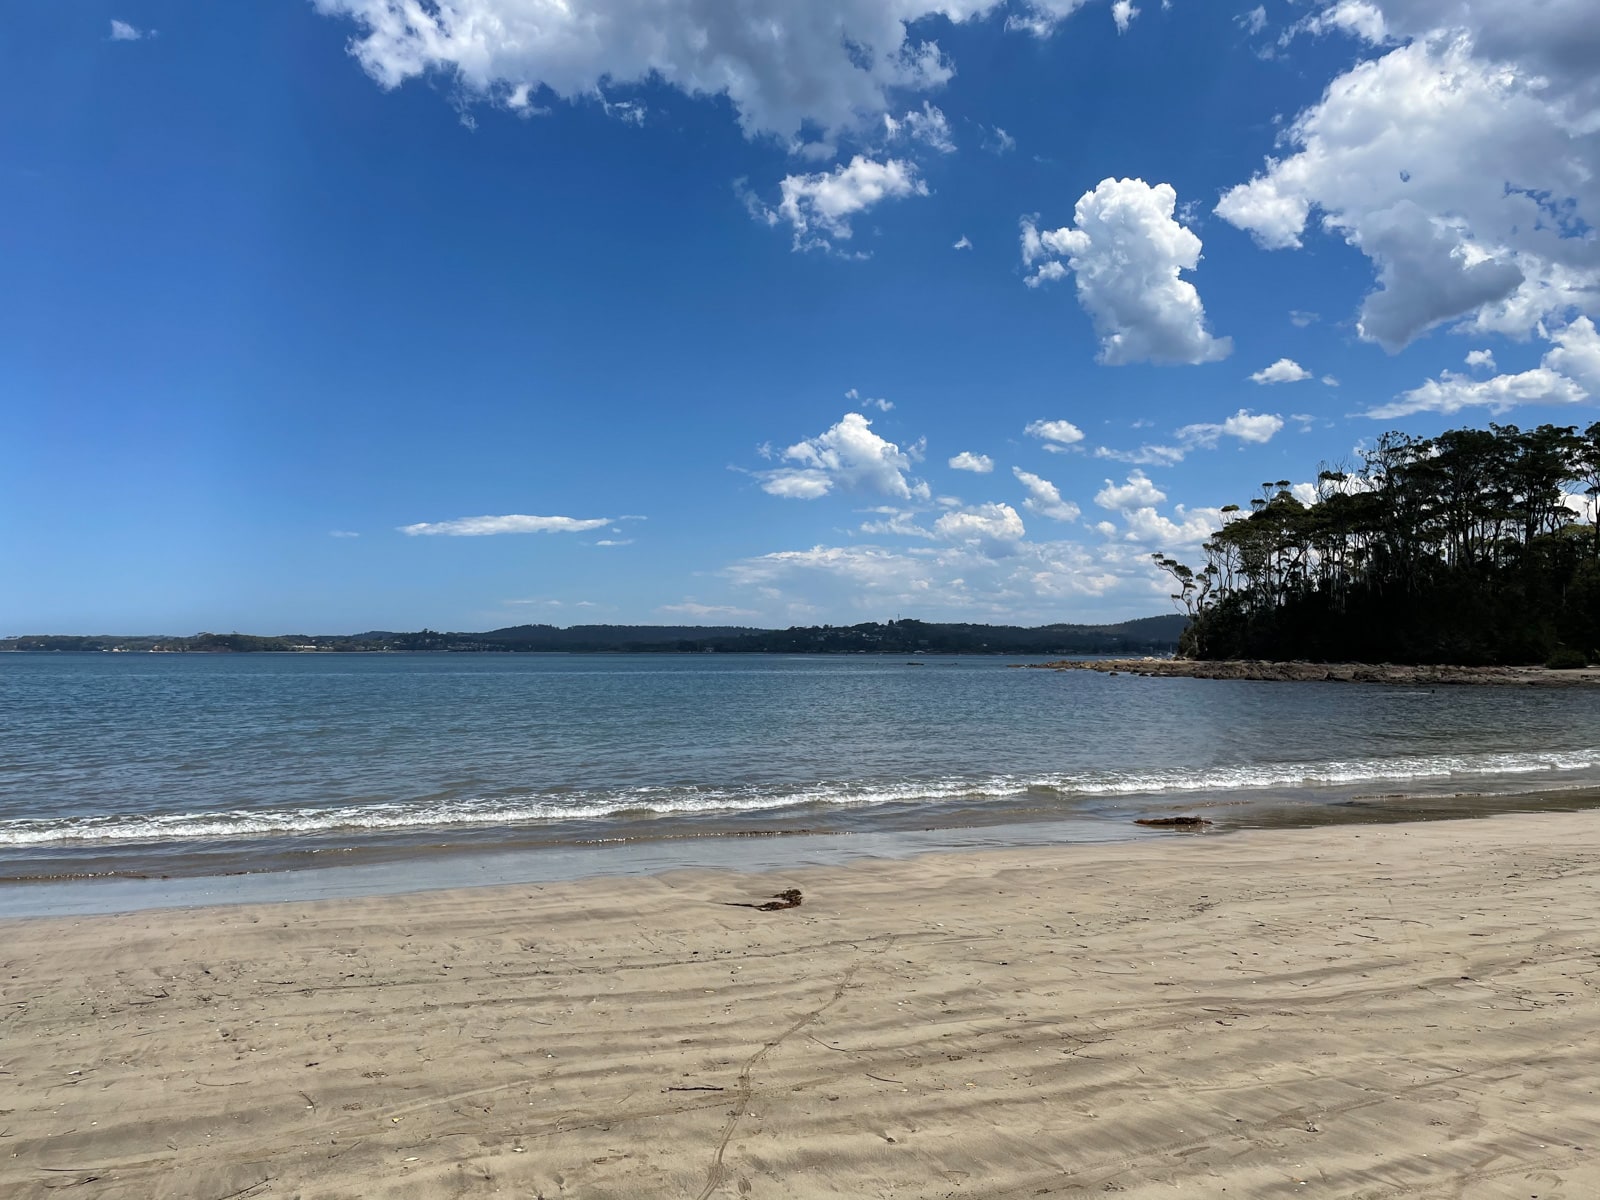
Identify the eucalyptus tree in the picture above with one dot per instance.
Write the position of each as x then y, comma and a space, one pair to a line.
1463, 544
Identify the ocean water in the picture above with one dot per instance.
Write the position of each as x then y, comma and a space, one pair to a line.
208, 764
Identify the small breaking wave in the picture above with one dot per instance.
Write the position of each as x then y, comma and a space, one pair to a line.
666, 801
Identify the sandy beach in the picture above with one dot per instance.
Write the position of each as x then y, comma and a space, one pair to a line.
1357, 1011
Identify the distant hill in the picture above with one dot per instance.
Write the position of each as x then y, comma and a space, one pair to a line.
610, 637
1148, 635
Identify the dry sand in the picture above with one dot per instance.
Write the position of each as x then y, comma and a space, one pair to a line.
1352, 1012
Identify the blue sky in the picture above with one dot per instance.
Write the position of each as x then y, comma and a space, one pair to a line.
320, 318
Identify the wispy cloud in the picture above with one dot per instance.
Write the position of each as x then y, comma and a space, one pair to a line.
512, 523
1147, 455
1000, 142
1244, 425
693, 608
877, 402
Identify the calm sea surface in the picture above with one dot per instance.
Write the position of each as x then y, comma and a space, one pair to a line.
128, 763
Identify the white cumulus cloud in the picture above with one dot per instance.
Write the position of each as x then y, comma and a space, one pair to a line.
1056, 435
818, 207
982, 567
978, 464
1460, 162
1569, 373
990, 528
1357, 18
511, 523
1044, 497
121, 31
1029, 583
1126, 253
1452, 392
848, 456
1245, 425
1577, 354
1137, 492
927, 125
1193, 526
1136, 501
1285, 370
786, 66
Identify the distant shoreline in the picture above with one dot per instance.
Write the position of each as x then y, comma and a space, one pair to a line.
1397, 674
1145, 635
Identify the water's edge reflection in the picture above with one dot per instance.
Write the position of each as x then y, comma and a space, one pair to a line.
416, 868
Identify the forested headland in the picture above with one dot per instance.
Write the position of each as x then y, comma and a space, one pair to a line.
1463, 548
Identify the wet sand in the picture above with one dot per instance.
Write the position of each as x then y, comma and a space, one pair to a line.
1354, 1011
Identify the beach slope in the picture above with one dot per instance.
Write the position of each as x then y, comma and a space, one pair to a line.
1358, 1012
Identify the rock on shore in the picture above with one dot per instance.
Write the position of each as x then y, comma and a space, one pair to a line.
1313, 672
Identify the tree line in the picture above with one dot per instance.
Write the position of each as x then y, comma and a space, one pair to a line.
1467, 547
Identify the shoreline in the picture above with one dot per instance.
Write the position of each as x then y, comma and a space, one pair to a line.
401, 870
1262, 670
1357, 1010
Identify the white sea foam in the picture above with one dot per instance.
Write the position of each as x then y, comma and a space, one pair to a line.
668, 801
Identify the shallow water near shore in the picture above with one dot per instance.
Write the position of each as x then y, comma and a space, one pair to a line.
426, 869
403, 768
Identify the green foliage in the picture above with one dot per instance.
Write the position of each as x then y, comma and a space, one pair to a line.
1460, 548
1565, 659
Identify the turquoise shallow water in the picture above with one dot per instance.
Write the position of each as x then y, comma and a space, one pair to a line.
203, 764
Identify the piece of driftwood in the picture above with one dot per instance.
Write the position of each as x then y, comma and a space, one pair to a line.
789, 898
1173, 822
